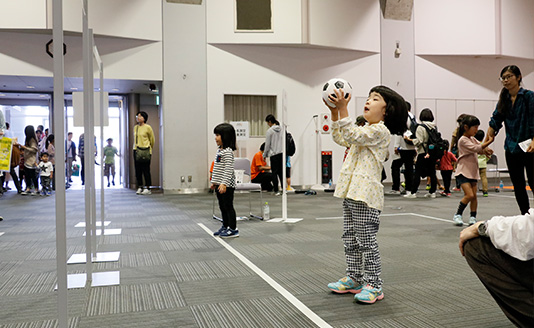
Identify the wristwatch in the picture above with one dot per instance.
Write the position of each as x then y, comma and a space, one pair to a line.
482, 229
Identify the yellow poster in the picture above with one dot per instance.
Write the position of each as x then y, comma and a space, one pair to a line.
5, 153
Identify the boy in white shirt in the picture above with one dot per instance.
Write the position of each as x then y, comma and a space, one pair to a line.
47, 174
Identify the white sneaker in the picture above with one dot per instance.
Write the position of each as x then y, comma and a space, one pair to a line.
472, 220
139, 191
290, 189
431, 195
146, 192
393, 192
457, 219
410, 195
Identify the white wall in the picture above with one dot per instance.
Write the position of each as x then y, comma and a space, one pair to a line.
24, 14
462, 27
517, 28
139, 19
129, 44
353, 24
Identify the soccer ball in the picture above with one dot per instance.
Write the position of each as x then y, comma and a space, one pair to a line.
335, 83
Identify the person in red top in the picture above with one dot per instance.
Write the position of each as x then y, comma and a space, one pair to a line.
258, 169
446, 167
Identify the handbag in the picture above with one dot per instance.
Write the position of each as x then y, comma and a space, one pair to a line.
141, 154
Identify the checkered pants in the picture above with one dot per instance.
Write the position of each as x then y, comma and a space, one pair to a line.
360, 226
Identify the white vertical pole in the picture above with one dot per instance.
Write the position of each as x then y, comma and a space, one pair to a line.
284, 156
88, 141
59, 130
93, 145
102, 203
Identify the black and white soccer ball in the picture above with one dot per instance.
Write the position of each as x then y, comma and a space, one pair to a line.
336, 83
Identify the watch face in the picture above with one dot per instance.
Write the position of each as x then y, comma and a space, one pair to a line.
482, 229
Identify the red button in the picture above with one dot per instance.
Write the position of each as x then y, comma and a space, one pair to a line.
326, 127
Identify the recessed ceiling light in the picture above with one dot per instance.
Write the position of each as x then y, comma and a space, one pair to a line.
30, 87
74, 88
2, 95
42, 96
115, 89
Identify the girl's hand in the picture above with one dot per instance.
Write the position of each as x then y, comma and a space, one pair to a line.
339, 100
530, 148
427, 156
222, 188
488, 151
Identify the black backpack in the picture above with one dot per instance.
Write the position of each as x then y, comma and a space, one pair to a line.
290, 145
436, 146
413, 126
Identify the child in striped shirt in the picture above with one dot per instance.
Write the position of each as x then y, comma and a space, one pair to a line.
223, 179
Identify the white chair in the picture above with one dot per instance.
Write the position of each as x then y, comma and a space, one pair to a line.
242, 165
496, 170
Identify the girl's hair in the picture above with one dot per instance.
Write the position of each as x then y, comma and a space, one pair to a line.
503, 107
396, 110
426, 115
460, 118
446, 144
470, 121
271, 119
144, 114
29, 131
227, 133
49, 140
479, 135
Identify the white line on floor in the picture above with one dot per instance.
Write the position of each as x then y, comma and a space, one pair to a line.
330, 218
1, 233
394, 214
287, 295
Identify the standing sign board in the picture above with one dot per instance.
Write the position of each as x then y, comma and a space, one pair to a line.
6, 144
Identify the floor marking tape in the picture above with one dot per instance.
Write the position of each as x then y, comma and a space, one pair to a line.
287, 295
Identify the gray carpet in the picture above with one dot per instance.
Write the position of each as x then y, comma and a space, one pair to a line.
174, 274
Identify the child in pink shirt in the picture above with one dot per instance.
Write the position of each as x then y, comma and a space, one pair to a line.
446, 167
467, 168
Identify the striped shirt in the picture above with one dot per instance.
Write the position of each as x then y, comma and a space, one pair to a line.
223, 168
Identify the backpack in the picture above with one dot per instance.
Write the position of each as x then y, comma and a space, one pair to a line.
290, 145
436, 145
413, 125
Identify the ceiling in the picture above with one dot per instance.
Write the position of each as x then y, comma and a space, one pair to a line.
29, 87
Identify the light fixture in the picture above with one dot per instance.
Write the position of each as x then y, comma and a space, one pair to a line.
114, 89
30, 87
73, 88
398, 50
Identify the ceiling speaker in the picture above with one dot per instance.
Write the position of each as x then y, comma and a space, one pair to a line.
397, 9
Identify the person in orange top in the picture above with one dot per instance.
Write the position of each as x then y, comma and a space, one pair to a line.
258, 169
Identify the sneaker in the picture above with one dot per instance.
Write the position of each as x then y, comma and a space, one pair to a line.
278, 193
345, 285
394, 192
456, 189
25, 192
221, 230
139, 191
444, 194
410, 195
403, 185
485, 194
472, 220
427, 187
457, 219
229, 233
431, 195
369, 295
108, 184
290, 189
113, 182
34, 193
146, 192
